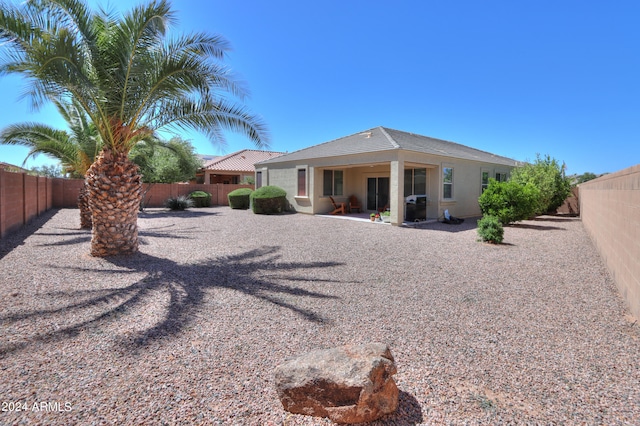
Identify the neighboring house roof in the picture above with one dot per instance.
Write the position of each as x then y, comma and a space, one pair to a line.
383, 139
12, 167
206, 158
241, 161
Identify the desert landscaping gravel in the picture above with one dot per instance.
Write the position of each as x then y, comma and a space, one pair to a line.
190, 329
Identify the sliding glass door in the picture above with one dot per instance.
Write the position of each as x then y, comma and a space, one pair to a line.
377, 193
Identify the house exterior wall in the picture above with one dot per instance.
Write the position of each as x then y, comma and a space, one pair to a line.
610, 212
357, 168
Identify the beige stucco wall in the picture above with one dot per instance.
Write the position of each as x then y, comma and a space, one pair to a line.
610, 212
357, 168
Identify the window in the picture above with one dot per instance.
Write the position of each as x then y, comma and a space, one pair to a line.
501, 176
485, 181
415, 182
447, 180
258, 179
302, 182
332, 182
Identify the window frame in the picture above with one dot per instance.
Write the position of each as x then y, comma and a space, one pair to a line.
334, 183
445, 183
484, 185
305, 185
410, 181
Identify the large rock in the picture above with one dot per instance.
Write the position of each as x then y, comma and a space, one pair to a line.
349, 384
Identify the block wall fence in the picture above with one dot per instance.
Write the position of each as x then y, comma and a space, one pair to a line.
610, 212
24, 197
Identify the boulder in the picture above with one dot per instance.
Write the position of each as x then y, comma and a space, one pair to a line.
348, 384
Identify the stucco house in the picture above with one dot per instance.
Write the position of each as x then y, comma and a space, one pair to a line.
382, 167
232, 168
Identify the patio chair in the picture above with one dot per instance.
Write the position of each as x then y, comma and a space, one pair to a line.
338, 208
354, 204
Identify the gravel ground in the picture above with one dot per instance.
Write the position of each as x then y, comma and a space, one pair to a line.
189, 330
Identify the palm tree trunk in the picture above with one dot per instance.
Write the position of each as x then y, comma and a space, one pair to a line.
83, 205
114, 198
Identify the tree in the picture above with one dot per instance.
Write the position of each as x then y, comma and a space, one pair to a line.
585, 177
75, 150
131, 79
165, 162
548, 176
509, 201
53, 171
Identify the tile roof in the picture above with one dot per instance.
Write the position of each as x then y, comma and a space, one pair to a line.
12, 167
382, 139
241, 161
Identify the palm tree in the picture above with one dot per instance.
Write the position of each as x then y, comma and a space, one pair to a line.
131, 79
76, 150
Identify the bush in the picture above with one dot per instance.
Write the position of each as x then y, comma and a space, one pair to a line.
490, 229
509, 201
239, 198
546, 174
200, 199
179, 203
268, 200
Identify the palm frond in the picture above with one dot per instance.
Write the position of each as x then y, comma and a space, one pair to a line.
123, 71
41, 139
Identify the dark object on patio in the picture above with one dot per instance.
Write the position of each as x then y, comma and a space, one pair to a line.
451, 220
338, 208
416, 210
354, 204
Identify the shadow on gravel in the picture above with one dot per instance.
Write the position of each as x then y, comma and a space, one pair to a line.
17, 237
257, 273
535, 227
565, 218
468, 224
160, 214
83, 236
408, 413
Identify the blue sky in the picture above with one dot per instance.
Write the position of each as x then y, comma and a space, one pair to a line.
511, 78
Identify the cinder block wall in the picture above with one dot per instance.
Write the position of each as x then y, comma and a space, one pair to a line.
23, 197
610, 212
160, 192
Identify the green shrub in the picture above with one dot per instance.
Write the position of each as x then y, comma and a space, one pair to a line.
490, 229
239, 198
268, 200
546, 174
200, 199
179, 203
509, 201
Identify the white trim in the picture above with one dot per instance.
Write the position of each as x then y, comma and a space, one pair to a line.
488, 172
304, 167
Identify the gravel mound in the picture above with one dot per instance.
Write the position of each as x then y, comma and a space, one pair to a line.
190, 329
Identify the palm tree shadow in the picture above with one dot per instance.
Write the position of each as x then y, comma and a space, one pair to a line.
18, 237
257, 273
